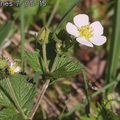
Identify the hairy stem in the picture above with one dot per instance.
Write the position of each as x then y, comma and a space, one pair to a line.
53, 12
45, 56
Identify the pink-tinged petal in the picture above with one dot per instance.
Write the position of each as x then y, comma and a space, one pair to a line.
83, 41
72, 29
98, 40
81, 20
11, 64
97, 28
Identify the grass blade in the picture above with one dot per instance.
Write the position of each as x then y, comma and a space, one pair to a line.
5, 30
114, 45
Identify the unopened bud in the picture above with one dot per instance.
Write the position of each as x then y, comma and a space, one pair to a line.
44, 35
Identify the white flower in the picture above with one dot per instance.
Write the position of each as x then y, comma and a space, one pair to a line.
13, 68
86, 33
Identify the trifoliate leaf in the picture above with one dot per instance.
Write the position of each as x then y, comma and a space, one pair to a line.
24, 92
67, 67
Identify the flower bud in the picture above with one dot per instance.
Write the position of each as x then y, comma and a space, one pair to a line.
44, 35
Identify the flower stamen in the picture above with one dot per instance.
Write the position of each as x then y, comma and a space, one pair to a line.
86, 31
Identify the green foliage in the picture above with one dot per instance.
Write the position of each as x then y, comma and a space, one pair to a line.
5, 99
3, 63
24, 93
87, 118
33, 60
67, 41
10, 114
67, 115
114, 52
66, 67
5, 30
107, 114
29, 13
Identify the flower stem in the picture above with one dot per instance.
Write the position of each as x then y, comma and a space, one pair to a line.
45, 56
42, 92
22, 33
12, 93
53, 13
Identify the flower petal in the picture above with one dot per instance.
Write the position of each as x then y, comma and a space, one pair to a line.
98, 40
81, 20
97, 28
18, 69
83, 41
72, 29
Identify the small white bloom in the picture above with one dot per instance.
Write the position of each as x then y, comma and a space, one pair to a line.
13, 68
86, 33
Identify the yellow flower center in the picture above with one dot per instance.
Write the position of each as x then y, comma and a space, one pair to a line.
12, 70
86, 31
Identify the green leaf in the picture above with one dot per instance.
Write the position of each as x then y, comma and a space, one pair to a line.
5, 99
4, 30
24, 92
91, 117
33, 61
3, 63
67, 41
114, 52
29, 12
67, 67
9, 114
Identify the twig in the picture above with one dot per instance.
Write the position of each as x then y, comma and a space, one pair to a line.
40, 97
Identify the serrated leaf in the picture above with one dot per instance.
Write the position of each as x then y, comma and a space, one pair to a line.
5, 99
24, 92
67, 67
9, 114
33, 61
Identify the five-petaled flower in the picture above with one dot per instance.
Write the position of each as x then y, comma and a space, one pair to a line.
13, 68
86, 33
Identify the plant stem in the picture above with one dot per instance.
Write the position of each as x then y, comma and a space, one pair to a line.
22, 33
66, 14
53, 13
55, 63
86, 93
12, 93
42, 92
45, 56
